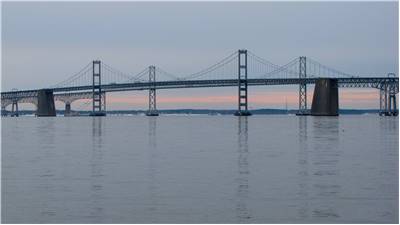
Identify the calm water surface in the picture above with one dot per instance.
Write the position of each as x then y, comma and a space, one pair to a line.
200, 169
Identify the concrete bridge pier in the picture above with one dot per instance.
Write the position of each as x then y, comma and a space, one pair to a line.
387, 99
67, 111
3, 111
46, 106
392, 105
14, 109
326, 98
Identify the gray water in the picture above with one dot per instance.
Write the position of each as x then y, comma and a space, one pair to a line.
200, 169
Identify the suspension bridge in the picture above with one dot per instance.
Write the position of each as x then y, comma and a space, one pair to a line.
240, 69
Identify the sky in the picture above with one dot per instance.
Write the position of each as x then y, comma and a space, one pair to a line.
43, 43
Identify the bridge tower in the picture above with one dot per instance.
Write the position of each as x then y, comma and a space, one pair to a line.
97, 107
14, 109
302, 86
152, 92
242, 84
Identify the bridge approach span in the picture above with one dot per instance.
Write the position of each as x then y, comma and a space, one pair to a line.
356, 82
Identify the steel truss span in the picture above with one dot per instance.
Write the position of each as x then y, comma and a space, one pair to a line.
359, 82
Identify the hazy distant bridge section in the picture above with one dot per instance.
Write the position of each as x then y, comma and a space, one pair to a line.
240, 69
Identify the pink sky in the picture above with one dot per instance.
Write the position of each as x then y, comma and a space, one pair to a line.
348, 98
227, 99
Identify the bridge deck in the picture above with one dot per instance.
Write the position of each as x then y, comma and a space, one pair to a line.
353, 82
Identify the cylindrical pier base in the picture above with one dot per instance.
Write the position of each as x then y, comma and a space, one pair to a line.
326, 98
46, 105
67, 111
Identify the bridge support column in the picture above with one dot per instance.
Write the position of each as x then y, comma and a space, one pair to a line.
387, 97
383, 99
3, 111
152, 92
46, 106
326, 98
104, 102
242, 84
67, 111
97, 106
302, 87
14, 109
392, 100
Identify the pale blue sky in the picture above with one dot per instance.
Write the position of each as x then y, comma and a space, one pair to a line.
44, 43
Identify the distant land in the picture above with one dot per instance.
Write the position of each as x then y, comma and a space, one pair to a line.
207, 112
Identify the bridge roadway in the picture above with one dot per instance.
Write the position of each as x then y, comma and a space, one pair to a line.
352, 82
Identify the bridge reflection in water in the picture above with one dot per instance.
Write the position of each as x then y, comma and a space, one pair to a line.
96, 203
303, 171
152, 171
318, 173
242, 179
326, 172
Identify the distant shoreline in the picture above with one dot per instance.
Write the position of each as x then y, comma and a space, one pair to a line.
208, 112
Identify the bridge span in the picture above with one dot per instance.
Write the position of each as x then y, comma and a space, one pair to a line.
297, 72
